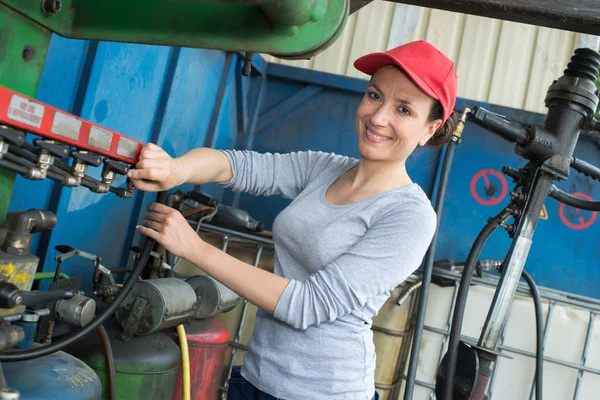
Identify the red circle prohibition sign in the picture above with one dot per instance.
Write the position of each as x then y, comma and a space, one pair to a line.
490, 187
581, 221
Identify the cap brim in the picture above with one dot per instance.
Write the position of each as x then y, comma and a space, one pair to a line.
370, 63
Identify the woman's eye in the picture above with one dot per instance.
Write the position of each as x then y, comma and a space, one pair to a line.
374, 96
404, 110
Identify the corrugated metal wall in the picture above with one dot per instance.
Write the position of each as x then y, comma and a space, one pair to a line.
498, 62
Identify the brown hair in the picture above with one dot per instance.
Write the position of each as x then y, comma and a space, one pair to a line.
444, 132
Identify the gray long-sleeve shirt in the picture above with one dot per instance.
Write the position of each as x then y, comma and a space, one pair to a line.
342, 262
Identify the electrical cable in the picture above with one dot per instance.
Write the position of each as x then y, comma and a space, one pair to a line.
427, 271
539, 337
109, 360
461, 300
185, 362
28, 354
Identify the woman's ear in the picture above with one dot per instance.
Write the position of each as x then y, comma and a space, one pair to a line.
431, 129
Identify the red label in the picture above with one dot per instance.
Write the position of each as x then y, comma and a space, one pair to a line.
576, 218
489, 187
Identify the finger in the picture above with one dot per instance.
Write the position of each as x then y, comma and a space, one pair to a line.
155, 217
146, 186
152, 154
159, 208
151, 174
148, 232
156, 226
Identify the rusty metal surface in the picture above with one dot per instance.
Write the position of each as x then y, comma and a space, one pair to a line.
577, 16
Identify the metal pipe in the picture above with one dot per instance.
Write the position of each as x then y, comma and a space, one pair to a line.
408, 292
241, 324
229, 232
586, 347
515, 262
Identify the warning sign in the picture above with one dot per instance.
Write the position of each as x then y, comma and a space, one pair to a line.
489, 187
576, 218
544, 212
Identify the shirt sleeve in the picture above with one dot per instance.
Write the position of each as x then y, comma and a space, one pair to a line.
267, 174
391, 250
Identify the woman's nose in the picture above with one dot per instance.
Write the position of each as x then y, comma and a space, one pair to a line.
380, 116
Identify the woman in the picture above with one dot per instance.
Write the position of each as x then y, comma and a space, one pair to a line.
354, 231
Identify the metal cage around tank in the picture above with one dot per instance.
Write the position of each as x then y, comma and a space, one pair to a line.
407, 296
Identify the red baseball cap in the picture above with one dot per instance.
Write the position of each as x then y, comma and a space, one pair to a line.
429, 68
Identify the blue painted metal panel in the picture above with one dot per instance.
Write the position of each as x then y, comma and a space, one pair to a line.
561, 257
61, 78
150, 93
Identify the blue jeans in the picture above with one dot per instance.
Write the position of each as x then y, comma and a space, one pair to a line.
241, 389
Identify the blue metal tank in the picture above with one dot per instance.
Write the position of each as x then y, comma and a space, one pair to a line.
56, 376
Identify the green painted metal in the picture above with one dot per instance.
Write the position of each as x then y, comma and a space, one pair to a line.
290, 29
23, 49
145, 367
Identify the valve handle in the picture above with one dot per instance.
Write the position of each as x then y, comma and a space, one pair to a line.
11, 296
117, 166
56, 149
91, 159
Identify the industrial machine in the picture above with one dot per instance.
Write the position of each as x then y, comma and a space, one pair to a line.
39, 142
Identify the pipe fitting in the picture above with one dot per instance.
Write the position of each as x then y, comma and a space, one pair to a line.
21, 225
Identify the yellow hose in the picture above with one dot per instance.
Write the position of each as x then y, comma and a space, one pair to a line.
185, 362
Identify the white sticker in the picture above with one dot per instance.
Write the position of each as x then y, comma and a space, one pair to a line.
127, 147
25, 111
100, 138
65, 125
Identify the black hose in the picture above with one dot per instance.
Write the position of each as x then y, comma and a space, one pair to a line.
573, 201
111, 378
427, 270
170, 257
28, 354
461, 300
19, 169
539, 337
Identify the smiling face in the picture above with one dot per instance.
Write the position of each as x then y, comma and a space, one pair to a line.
393, 117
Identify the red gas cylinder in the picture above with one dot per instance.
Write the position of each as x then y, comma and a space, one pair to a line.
207, 344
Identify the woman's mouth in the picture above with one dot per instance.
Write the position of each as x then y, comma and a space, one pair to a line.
376, 138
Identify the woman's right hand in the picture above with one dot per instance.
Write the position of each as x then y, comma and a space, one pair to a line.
156, 170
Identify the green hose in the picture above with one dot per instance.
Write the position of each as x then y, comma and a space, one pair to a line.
48, 275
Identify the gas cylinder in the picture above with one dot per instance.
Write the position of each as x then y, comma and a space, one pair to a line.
145, 366
55, 376
207, 344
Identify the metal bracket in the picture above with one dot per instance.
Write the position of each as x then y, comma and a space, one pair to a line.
133, 321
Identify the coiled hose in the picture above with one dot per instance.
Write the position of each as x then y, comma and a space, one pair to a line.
28, 354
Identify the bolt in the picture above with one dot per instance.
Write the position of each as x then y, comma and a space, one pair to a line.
18, 299
27, 53
518, 196
51, 6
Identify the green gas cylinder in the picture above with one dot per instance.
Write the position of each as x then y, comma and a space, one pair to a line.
146, 366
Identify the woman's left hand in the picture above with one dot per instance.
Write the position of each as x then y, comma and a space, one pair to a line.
169, 228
